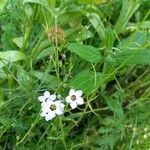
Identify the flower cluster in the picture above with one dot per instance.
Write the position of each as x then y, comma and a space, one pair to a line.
51, 106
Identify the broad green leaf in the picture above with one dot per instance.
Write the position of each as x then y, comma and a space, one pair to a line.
18, 41
86, 52
135, 40
11, 56
97, 23
45, 53
71, 16
78, 34
86, 81
28, 10
128, 9
137, 56
23, 77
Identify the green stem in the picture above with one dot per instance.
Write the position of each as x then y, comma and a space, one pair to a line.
62, 131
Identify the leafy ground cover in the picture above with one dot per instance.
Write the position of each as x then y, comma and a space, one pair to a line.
98, 47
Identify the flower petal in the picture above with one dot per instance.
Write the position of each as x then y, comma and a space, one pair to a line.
50, 116
79, 93
72, 92
68, 99
59, 111
41, 98
43, 114
53, 97
46, 104
62, 105
45, 109
80, 101
47, 94
73, 105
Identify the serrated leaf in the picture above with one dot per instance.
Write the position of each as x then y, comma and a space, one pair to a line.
115, 106
86, 52
51, 80
86, 81
11, 56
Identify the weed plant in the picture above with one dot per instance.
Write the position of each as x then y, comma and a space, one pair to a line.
100, 47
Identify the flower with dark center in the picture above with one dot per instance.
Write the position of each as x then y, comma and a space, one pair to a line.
47, 97
51, 109
74, 98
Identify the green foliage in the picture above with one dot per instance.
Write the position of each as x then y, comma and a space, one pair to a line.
101, 47
88, 53
86, 81
136, 56
10, 57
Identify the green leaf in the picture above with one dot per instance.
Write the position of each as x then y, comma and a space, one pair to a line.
137, 56
135, 40
11, 56
97, 23
2, 4
18, 41
41, 2
86, 52
71, 16
128, 9
23, 76
86, 81
96, 2
78, 34
51, 80
115, 106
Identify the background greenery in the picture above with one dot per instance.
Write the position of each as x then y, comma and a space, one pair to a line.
101, 47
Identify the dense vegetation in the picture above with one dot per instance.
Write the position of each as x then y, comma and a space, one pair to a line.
97, 46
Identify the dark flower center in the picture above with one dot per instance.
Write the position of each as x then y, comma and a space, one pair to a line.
73, 97
53, 107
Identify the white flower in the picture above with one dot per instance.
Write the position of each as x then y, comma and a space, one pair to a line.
74, 98
52, 108
47, 97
